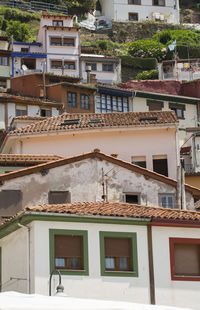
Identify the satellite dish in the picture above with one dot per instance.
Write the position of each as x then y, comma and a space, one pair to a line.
24, 68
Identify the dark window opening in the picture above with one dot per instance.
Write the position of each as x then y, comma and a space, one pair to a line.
92, 65
107, 67
45, 112
58, 197
155, 106
10, 201
134, 1
72, 99
30, 63
24, 49
140, 163
56, 41
130, 198
84, 102
133, 17
56, 64
160, 166
57, 23
68, 42
70, 65
159, 2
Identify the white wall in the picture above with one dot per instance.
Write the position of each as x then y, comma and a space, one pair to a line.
11, 112
14, 261
172, 293
93, 286
2, 116
120, 9
126, 143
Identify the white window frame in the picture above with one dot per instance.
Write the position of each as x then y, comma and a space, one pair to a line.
167, 195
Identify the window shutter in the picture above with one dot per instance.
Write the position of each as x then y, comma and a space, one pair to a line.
68, 246
187, 259
118, 247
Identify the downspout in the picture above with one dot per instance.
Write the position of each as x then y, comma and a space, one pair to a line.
151, 266
28, 257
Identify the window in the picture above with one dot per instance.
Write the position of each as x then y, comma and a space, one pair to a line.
21, 110
92, 65
118, 254
45, 112
72, 99
133, 17
57, 23
185, 259
3, 82
69, 251
24, 50
56, 41
132, 198
159, 2
70, 65
85, 102
56, 197
30, 63
139, 161
56, 64
160, 165
155, 105
4, 61
68, 42
134, 1
166, 200
107, 103
178, 111
107, 67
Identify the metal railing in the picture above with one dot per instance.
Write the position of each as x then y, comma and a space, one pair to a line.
34, 6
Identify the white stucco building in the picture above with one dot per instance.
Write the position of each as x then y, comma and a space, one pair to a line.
141, 10
155, 244
149, 139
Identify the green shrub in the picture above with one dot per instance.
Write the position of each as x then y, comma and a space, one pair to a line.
147, 48
19, 31
148, 75
139, 63
15, 14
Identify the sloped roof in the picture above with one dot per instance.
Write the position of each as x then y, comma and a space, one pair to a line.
94, 120
17, 159
96, 154
116, 210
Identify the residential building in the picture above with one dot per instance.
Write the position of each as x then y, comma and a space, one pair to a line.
141, 10
11, 162
120, 133
66, 180
12, 106
5, 63
156, 95
58, 51
120, 251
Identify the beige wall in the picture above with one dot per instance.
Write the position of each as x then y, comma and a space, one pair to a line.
125, 142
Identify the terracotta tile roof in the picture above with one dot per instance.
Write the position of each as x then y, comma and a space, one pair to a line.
13, 159
156, 86
96, 154
104, 120
29, 118
116, 210
197, 205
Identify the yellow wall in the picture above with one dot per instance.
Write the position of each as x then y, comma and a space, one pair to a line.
193, 181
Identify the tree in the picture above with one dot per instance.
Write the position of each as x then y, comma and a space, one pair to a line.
19, 31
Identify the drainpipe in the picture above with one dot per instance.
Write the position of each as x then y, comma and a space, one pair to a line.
28, 257
151, 267
183, 201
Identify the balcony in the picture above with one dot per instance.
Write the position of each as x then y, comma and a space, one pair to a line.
189, 168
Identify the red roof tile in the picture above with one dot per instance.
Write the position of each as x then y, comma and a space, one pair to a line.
9, 159
115, 210
156, 86
104, 120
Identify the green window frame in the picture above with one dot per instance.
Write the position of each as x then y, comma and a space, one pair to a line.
134, 255
178, 108
64, 232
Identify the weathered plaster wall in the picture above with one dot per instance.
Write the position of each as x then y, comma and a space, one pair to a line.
84, 182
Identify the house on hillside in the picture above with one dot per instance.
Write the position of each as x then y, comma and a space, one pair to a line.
141, 10
58, 51
5, 63
66, 180
135, 137
120, 251
159, 95
13, 106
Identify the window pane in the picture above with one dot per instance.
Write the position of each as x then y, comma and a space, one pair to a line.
74, 262
160, 166
110, 262
60, 262
123, 262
